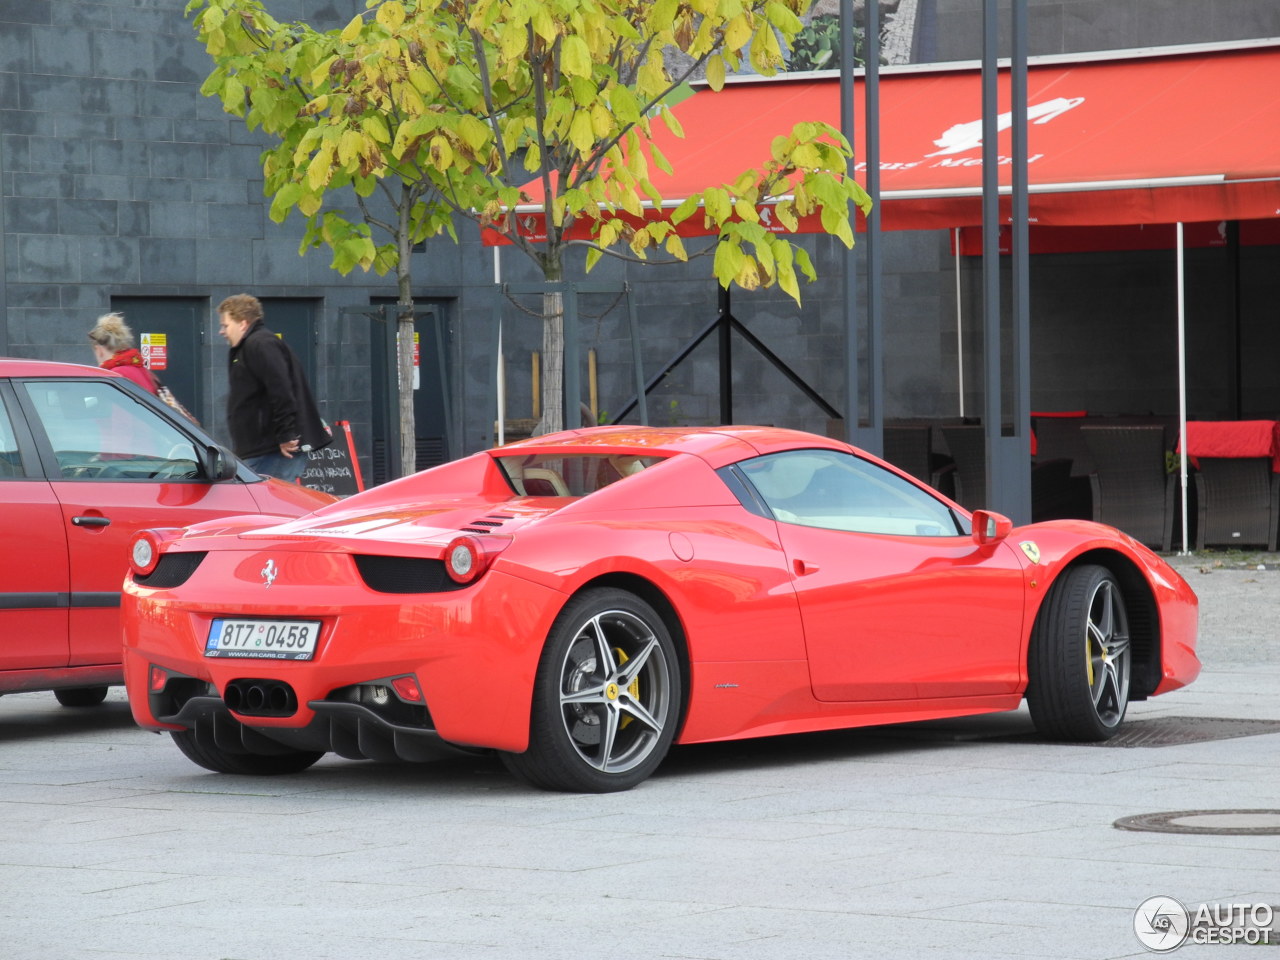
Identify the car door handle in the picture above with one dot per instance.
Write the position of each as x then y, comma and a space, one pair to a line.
91, 521
803, 567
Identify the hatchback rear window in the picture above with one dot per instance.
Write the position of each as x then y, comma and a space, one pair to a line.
557, 475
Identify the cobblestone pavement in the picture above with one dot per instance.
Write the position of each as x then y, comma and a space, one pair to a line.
966, 839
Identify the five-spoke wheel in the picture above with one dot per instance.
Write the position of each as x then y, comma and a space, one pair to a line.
1079, 660
607, 697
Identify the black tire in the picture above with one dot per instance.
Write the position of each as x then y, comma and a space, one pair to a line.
81, 696
201, 751
1079, 662
607, 697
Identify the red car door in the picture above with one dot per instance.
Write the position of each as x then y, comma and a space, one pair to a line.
890, 618
896, 601
120, 467
34, 579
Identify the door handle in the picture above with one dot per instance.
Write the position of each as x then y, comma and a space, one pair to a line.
803, 567
91, 521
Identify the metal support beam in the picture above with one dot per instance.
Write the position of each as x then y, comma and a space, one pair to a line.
1008, 457
849, 261
871, 437
724, 330
1014, 465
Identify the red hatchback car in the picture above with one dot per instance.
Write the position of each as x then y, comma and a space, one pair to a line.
87, 459
581, 601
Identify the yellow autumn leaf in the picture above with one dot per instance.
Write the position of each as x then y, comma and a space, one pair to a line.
319, 169
376, 127
580, 133
737, 34
410, 100
542, 22
349, 147
601, 120
391, 15
351, 31
512, 39
575, 57
309, 203
715, 73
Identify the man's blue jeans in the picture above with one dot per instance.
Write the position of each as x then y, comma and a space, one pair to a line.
278, 465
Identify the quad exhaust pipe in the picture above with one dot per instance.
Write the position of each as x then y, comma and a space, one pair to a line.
260, 698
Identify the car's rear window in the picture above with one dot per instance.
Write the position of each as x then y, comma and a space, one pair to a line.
557, 475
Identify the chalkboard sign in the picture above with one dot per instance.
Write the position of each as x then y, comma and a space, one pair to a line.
335, 469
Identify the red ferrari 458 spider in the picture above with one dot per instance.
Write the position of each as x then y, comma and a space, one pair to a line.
578, 602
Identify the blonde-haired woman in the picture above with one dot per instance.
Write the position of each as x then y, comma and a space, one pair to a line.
113, 347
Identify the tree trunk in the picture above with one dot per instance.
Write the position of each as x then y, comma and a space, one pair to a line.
404, 334
404, 355
553, 400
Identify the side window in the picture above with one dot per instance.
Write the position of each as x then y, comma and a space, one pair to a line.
98, 432
838, 491
10, 462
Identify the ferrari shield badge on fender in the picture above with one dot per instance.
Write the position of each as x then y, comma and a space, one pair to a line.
269, 572
1030, 548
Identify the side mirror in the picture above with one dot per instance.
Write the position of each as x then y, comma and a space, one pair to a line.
989, 526
219, 464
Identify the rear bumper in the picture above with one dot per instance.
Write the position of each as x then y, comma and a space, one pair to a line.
347, 729
474, 654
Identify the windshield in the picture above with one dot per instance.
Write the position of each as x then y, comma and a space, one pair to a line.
558, 475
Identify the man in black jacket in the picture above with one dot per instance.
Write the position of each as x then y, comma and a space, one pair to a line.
271, 415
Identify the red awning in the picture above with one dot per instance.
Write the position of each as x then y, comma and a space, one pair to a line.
1136, 138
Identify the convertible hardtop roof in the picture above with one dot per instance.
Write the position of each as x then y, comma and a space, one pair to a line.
19, 367
717, 445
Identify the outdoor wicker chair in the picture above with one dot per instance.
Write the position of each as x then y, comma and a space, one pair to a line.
1239, 502
1132, 488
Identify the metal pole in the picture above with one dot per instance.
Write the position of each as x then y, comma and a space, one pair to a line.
990, 249
724, 331
849, 263
872, 439
1015, 460
500, 371
959, 326
1182, 380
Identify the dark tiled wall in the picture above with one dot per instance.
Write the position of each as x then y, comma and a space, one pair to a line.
118, 179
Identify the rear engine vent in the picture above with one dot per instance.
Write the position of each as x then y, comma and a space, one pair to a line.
172, 570
405, 574
487, 524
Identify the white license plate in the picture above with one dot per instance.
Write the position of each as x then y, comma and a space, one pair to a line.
263, 639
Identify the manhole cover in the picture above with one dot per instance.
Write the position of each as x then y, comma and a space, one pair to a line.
1217, 822
1168, 731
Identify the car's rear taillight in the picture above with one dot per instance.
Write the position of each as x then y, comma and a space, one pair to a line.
466, 558
144, 553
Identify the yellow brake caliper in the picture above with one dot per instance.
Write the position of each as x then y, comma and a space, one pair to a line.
634, 689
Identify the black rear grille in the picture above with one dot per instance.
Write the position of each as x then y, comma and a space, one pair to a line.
171, 570
404, 574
